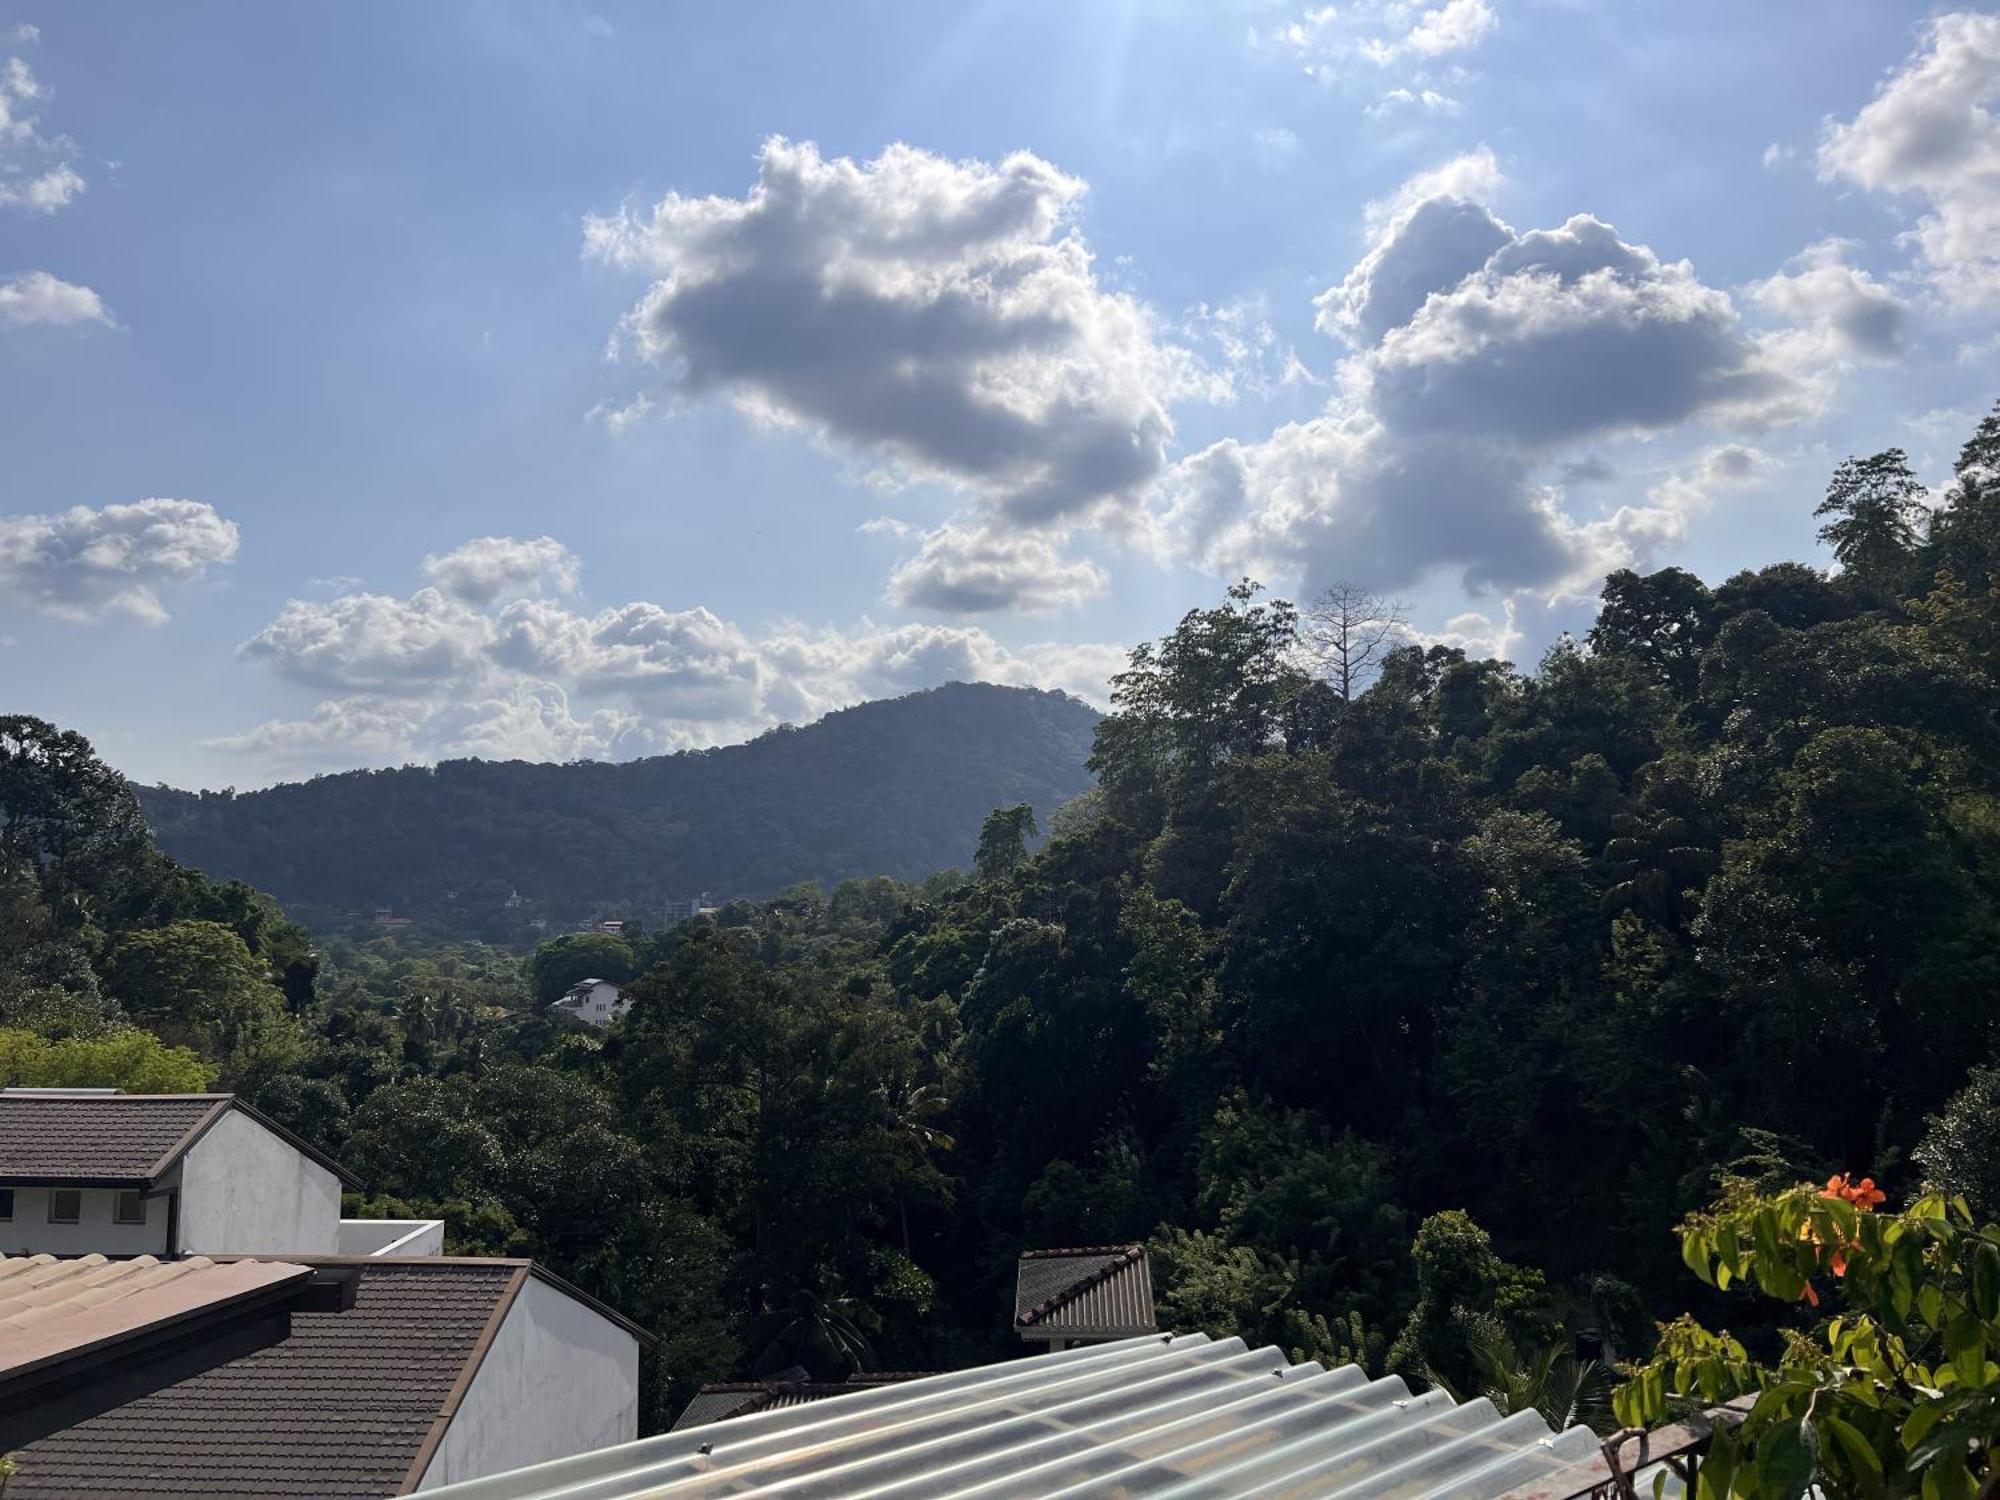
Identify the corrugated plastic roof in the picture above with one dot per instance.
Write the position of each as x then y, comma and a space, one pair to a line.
1097, 1292
1154, 1417
737, 1398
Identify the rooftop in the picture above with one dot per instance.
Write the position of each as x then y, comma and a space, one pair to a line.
1089, 1291
94, 1138
1142, 1417
739, 1398
347, 1403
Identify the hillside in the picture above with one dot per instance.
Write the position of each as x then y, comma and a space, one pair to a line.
896, 787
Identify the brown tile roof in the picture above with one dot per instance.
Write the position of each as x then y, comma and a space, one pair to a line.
121, 1140
109, 1138
52, 1311
343, 1407
1091, 1290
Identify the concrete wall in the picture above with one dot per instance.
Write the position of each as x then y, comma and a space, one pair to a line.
29, 1232
559, 1379
248, 1192
400, 1237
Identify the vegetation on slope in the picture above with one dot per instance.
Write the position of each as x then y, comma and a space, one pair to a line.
889, 788
1405, 1027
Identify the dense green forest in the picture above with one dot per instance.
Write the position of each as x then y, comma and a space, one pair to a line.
481, 849
1405, 1026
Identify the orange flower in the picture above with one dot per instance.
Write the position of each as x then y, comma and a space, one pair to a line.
1864, 1195
1810, 1295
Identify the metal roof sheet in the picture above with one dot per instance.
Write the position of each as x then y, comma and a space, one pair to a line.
1154, 1417
1104, 1291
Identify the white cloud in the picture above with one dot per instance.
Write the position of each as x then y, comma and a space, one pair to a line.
1637, 536
483, 569
85, 564
1432, 234
1385, 32
962, 570
1842, 310
374, 642
25, 34
35, 171
38, 297
1427, 101
1931, 132
618, 420
1455, 26
435, 676
943, 315
1484, 357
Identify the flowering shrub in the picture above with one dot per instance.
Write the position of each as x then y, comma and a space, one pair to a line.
1896, 1394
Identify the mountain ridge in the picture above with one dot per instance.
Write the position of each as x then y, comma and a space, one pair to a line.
895, 786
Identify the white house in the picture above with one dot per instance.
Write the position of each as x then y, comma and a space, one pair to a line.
97, 1171
597, 1001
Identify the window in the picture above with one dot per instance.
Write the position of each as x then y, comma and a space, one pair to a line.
65, 1206
6, 1204
130, 1209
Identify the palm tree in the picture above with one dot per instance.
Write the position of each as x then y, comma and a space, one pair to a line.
821, 1336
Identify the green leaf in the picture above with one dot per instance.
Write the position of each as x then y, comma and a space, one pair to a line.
1863, 1462
1986, 1280
1787, 1460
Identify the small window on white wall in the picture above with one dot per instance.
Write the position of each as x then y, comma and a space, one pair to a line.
6, 1205
130, 1209
65, 1206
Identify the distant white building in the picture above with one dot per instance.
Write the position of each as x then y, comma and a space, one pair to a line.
597, 1001
97, 1171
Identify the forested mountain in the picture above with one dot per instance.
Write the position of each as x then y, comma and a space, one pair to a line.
1404, 1026
894, 788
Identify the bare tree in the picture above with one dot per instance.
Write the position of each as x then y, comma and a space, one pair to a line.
1347, 632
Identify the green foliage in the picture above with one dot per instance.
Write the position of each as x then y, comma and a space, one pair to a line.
1895, 1394
1003, 841
480, 849
120, 1058
561, 962
1960, 1151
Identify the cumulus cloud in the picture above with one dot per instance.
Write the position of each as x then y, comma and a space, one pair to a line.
486, 567
944, 315
36, 174
963, 570
1845, 312
1385, 32
1455, 26
1930, 132
1430, 236
1638, 536
38, 297
1483, 358
438, 675
85, 564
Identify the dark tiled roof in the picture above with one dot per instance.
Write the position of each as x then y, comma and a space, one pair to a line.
739, 1398
118, 1138
1092, 1289
97, 1137
341, 1408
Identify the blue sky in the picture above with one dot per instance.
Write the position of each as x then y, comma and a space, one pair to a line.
383, 382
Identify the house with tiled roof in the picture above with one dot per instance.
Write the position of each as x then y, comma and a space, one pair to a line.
87, 1171
176, 1320
1090, 1294
311, 1376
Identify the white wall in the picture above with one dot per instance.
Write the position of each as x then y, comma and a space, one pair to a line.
29, 1232
560, 1378
246, 1191
400, 1237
